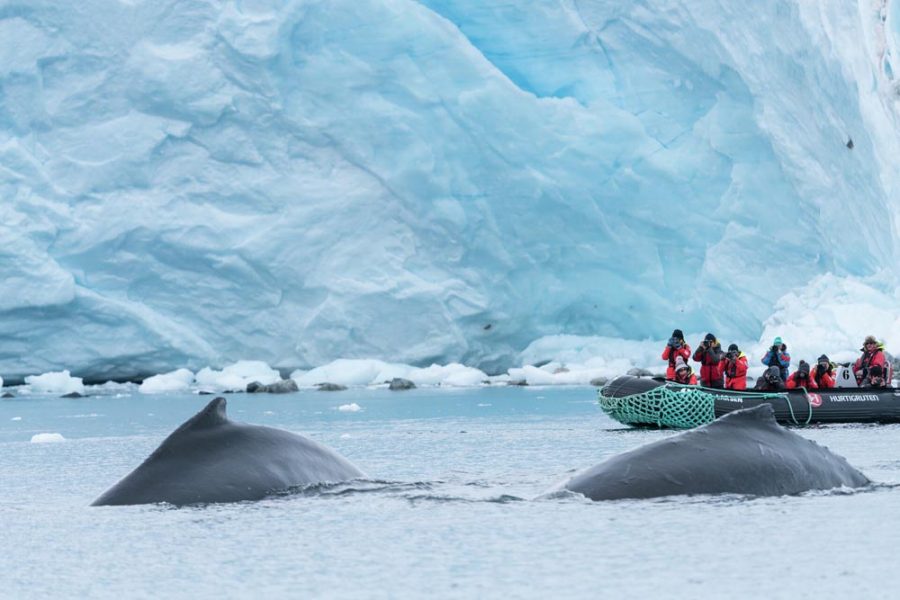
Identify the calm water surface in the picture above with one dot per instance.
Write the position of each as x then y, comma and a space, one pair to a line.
453, 508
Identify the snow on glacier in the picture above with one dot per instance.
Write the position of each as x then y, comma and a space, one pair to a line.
194, 182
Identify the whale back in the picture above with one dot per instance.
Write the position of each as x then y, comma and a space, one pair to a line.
210, 458
743, 452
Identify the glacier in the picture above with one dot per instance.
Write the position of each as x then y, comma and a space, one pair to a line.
194, 182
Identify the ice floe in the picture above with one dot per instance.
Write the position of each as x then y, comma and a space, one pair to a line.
45, 438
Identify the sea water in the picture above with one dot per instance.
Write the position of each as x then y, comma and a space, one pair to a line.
454, 507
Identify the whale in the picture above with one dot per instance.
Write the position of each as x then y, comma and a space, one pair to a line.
211, 459
744, 452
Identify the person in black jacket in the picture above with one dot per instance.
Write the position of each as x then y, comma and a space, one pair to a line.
770, 381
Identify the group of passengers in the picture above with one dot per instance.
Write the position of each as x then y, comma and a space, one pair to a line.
728, 369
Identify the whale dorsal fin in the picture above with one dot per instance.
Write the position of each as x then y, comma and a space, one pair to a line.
212, 416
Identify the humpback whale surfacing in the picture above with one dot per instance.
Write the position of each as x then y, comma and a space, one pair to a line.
743, 452
213, 459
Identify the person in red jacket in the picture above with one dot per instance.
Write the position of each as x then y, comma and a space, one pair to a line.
683, 373
734, 367
872, 356
800, 378
823, 373
710, 356
675, 348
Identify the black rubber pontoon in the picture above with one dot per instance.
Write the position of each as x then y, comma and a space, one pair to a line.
655, 402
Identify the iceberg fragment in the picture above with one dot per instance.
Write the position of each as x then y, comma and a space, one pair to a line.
236, 377
60, 382
174, 381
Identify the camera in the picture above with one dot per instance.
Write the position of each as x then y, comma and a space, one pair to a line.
731, 355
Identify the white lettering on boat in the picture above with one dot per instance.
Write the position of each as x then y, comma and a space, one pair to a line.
735, 399
853, 398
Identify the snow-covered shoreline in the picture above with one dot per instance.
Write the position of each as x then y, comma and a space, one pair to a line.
549, 361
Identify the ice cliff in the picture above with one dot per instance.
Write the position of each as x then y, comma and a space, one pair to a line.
191, 182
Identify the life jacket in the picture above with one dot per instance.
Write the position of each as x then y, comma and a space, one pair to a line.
823, 378
868, 360
735, 372
795, 382
710, 360
670, 354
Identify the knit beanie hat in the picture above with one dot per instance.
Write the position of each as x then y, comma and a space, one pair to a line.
733, 348
677, 334
680, 364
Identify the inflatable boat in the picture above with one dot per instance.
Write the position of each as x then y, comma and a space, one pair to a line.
655, 402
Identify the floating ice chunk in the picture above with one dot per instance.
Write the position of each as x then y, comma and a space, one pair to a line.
16, 419
453, 374
352, 407
113, 388
59, 382
373, 372
351, 372
174, 381
345, 436
237, 376
44, 438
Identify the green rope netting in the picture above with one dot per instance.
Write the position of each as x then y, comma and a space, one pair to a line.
664, 406
684, 407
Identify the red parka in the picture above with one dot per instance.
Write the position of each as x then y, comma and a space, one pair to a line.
710, 360
670, 354
864, 364
824, 380
735, 372
794, 382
